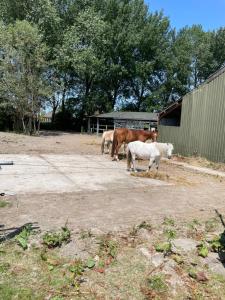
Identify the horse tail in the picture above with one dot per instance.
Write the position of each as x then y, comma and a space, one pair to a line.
102, 144
129, 158
114, 143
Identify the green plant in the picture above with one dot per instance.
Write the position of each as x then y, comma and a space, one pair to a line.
23, 236
218, 243
170, 234
85, 234
90, 263
3, 203
157, 283
203, 250
108, 246
168, 221
56, 239
163, 247
145, 225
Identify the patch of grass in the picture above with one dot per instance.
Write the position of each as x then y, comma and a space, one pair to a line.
170, 234
165, 247
23, 237
168, 221
107, 246
211, 224
203, 250
157, 283
218, 243
85, 234
4, 203
56, 239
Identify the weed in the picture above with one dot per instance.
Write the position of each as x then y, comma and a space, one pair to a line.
108, 246
203, 250
168, 221
85, 234
145, 225
77, 269
90, 263
4, 267
166, 247
211, 224
4, 203
56, 239
170, 234
218, 243
157, 283
23, 236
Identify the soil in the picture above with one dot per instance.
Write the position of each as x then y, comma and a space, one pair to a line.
114, 205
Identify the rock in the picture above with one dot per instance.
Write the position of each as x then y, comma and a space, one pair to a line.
156, 259
144, 234
214, 264
183, 245
201, 277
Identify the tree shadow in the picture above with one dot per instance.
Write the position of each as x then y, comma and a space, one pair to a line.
9, 233
221, 250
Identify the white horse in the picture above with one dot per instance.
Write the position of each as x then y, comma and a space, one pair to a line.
107, 139
152, 151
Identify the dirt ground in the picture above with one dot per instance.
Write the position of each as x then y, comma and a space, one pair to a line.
113, 205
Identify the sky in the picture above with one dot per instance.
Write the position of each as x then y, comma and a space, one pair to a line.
209, 13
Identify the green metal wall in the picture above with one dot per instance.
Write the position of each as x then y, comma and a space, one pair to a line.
202, 128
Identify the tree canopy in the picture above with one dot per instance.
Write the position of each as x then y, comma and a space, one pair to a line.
83, 56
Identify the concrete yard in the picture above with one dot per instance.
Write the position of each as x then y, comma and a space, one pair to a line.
56, 173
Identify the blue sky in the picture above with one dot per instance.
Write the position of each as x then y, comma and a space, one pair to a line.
209, 13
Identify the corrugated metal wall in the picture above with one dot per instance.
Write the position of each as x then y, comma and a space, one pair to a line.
202, 128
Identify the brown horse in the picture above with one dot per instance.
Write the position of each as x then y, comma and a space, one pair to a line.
125, 135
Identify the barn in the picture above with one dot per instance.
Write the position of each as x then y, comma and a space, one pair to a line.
196, 123
116, 119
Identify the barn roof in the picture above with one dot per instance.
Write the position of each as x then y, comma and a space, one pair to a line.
129, 115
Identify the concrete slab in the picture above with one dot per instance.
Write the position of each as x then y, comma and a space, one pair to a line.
66, 173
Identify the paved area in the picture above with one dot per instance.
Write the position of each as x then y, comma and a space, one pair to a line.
65, 173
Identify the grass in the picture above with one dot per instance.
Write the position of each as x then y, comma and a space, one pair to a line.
56, 239
116, 269
4, 203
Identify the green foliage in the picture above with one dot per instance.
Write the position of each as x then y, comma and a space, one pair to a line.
23, 237
3, 203
203, 250
90, 263
56, 239
170, 234
163, 247
157, 283
168, 221
218, 243
108, 247
104, 54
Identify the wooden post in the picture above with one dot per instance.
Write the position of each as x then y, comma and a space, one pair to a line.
89, 125
97, 126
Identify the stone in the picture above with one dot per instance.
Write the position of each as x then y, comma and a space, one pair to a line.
214, 264
183, 245
156, 259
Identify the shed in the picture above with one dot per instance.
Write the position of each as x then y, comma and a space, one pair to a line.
196, 123
116, 119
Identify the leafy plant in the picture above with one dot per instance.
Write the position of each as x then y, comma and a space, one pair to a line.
85, 234
163, 247
56, 239
23, 236
157, 283
170, 234
108, 247
90, 263
145, 225
203, 250
168, 221
218, 243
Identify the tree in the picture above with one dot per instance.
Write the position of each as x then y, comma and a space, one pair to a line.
22, 72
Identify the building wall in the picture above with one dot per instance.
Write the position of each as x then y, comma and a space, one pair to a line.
202, 128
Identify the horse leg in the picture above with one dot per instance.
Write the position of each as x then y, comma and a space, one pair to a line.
134, 163
157, 160
108, 143
151, 162
117, 150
